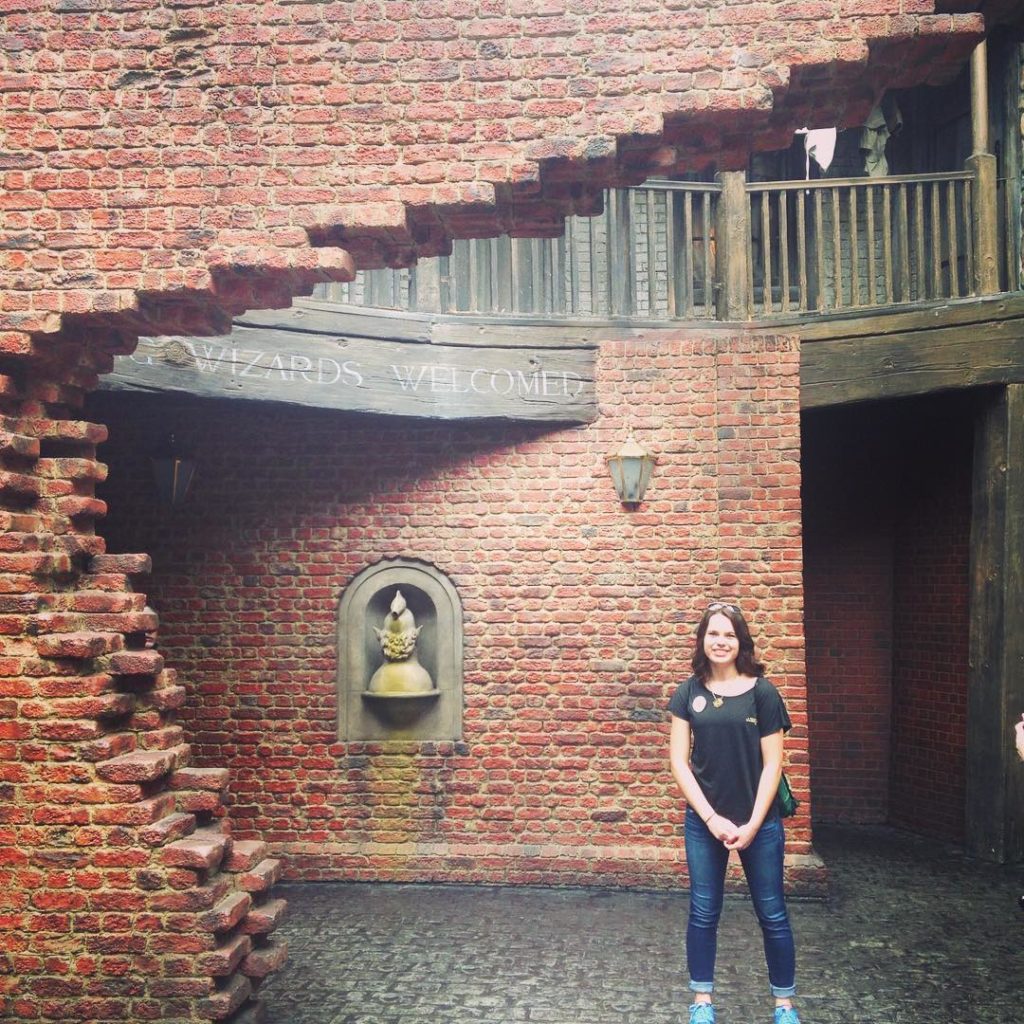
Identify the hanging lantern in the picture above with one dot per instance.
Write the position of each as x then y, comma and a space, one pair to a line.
173, 471
631, 469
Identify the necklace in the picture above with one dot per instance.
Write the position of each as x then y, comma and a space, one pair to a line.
717, 700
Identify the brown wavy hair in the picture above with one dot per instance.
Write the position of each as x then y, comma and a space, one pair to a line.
746, 661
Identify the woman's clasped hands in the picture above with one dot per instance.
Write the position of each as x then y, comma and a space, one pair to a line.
731, 835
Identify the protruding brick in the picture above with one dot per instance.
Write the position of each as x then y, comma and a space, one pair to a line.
225, 958
78, 645
19, 445
69, 431
261, 877
108, 748
194, 899
96, 602
227, 998
127, 565
266, 958
265, 918
246, 854
142, 812
203, 850
200, 801
137, 663
214, 779
138, 766
81, 506
19, 484
227, 913
172, 827
35, 563
168, 698
102, 705
162, 739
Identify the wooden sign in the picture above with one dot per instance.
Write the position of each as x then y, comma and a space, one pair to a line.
368, 375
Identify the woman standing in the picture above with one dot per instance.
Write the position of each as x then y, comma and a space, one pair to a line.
728, 724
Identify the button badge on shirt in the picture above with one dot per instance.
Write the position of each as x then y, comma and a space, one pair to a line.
699, 704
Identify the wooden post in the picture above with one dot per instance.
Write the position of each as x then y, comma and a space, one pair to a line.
983, 165
994, 816
732, 227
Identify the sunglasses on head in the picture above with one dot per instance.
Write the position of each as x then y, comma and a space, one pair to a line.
718, 606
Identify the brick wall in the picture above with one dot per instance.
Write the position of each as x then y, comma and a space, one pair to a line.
887, 523
578, 614
165, 165
930, 634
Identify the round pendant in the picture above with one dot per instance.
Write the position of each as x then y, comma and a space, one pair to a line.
718, 702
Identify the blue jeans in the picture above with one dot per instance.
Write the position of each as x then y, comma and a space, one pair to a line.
707, 858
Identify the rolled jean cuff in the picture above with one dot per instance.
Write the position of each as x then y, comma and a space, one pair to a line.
779, 991
704, 987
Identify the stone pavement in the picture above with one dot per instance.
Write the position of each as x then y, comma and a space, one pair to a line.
912, 933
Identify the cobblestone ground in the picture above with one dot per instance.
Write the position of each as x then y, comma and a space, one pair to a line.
912, 934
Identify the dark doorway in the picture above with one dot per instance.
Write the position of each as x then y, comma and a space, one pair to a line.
887, 513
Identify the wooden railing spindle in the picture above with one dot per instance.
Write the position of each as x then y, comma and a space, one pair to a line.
783, 199
954, 240
890, 291
767, 303
710, 254
837, 249
921, 275
871, 240
904, 243
801, 246
819, 246
854, 251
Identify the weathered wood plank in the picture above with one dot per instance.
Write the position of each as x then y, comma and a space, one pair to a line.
897, 321
320, 317
366, 375
910, 363
994, 813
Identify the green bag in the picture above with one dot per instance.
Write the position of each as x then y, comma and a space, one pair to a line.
787, 802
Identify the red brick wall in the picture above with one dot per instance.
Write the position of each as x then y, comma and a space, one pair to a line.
166, 164
931, 625
887, 523
578, 614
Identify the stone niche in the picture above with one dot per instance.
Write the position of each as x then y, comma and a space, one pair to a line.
434, 714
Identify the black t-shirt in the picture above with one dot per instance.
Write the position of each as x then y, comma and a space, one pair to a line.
726, 755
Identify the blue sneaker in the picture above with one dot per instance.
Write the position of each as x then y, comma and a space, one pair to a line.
786, 1015
702, 1013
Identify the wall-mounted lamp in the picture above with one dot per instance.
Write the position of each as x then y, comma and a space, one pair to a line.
173, 471
631, 468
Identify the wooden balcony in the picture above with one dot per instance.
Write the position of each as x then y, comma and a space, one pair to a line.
731, 250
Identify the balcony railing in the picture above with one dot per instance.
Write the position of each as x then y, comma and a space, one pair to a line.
706, 250
831, 245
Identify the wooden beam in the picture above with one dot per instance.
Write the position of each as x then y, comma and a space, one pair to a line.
994, 815
367, 375
911, 363
893, 320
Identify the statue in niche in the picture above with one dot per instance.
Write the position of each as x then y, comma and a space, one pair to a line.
401, 674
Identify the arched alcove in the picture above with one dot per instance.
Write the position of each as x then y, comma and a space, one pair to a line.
434, 601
